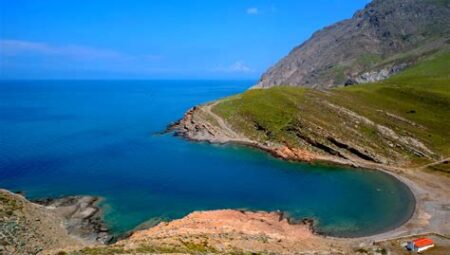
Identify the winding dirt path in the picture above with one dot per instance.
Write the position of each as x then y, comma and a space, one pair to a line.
434, 163
223, 125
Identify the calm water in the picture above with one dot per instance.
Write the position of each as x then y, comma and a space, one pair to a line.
98, 137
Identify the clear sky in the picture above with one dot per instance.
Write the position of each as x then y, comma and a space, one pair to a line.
165, 39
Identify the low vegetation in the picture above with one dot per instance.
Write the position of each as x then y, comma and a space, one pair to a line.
403, 119
185, 248
8, 206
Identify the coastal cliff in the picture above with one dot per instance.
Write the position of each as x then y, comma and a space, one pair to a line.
377, 42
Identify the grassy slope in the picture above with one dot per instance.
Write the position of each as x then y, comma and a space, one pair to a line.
420, 94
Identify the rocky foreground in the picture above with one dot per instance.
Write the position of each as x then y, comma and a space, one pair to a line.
65, 225
82, 217
29, 228
46, 224
226, 231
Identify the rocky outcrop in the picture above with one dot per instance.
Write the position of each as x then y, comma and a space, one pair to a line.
48, 225
228, 231
28, 228
201, 124
82, 217
378, 75
377, 42
194, 126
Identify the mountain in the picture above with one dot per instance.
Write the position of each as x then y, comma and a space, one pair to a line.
377, 42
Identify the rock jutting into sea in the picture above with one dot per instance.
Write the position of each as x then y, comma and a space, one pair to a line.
82, 217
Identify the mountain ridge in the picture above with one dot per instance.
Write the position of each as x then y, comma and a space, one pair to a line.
378, 41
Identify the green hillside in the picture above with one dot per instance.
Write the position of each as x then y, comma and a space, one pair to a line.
384, 120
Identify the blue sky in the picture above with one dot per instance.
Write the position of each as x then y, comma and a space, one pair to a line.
166, 39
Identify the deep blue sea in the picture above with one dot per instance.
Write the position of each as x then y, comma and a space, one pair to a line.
101, 138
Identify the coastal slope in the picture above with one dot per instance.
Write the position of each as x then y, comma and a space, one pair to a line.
28, 228
45, 226
378, 41
400, 122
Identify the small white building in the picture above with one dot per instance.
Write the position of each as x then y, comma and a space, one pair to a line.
420, 244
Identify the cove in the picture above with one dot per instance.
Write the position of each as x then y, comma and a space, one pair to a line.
101, 138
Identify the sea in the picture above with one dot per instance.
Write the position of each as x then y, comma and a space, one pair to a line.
104, 138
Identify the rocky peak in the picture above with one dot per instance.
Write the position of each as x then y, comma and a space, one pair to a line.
378, 41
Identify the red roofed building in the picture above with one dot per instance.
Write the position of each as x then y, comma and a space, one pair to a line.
420, 244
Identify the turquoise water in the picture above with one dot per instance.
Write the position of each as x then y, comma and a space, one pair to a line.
99, 138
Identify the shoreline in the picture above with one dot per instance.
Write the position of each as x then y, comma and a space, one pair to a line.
84, 211
245, 230
82, 215
249, 230
315, 231
428, 190
87, 209
276, 231
405, 182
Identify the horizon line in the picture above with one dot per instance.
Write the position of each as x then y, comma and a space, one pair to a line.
129, 79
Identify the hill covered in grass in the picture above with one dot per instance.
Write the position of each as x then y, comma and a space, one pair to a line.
403, 121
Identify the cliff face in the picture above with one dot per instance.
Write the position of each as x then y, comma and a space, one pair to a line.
378, 41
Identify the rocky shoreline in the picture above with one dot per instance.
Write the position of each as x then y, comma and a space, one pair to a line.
194, 127
72, 225
221, 231
83, 218
200, 232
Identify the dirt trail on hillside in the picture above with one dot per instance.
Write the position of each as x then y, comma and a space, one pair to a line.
223, 125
